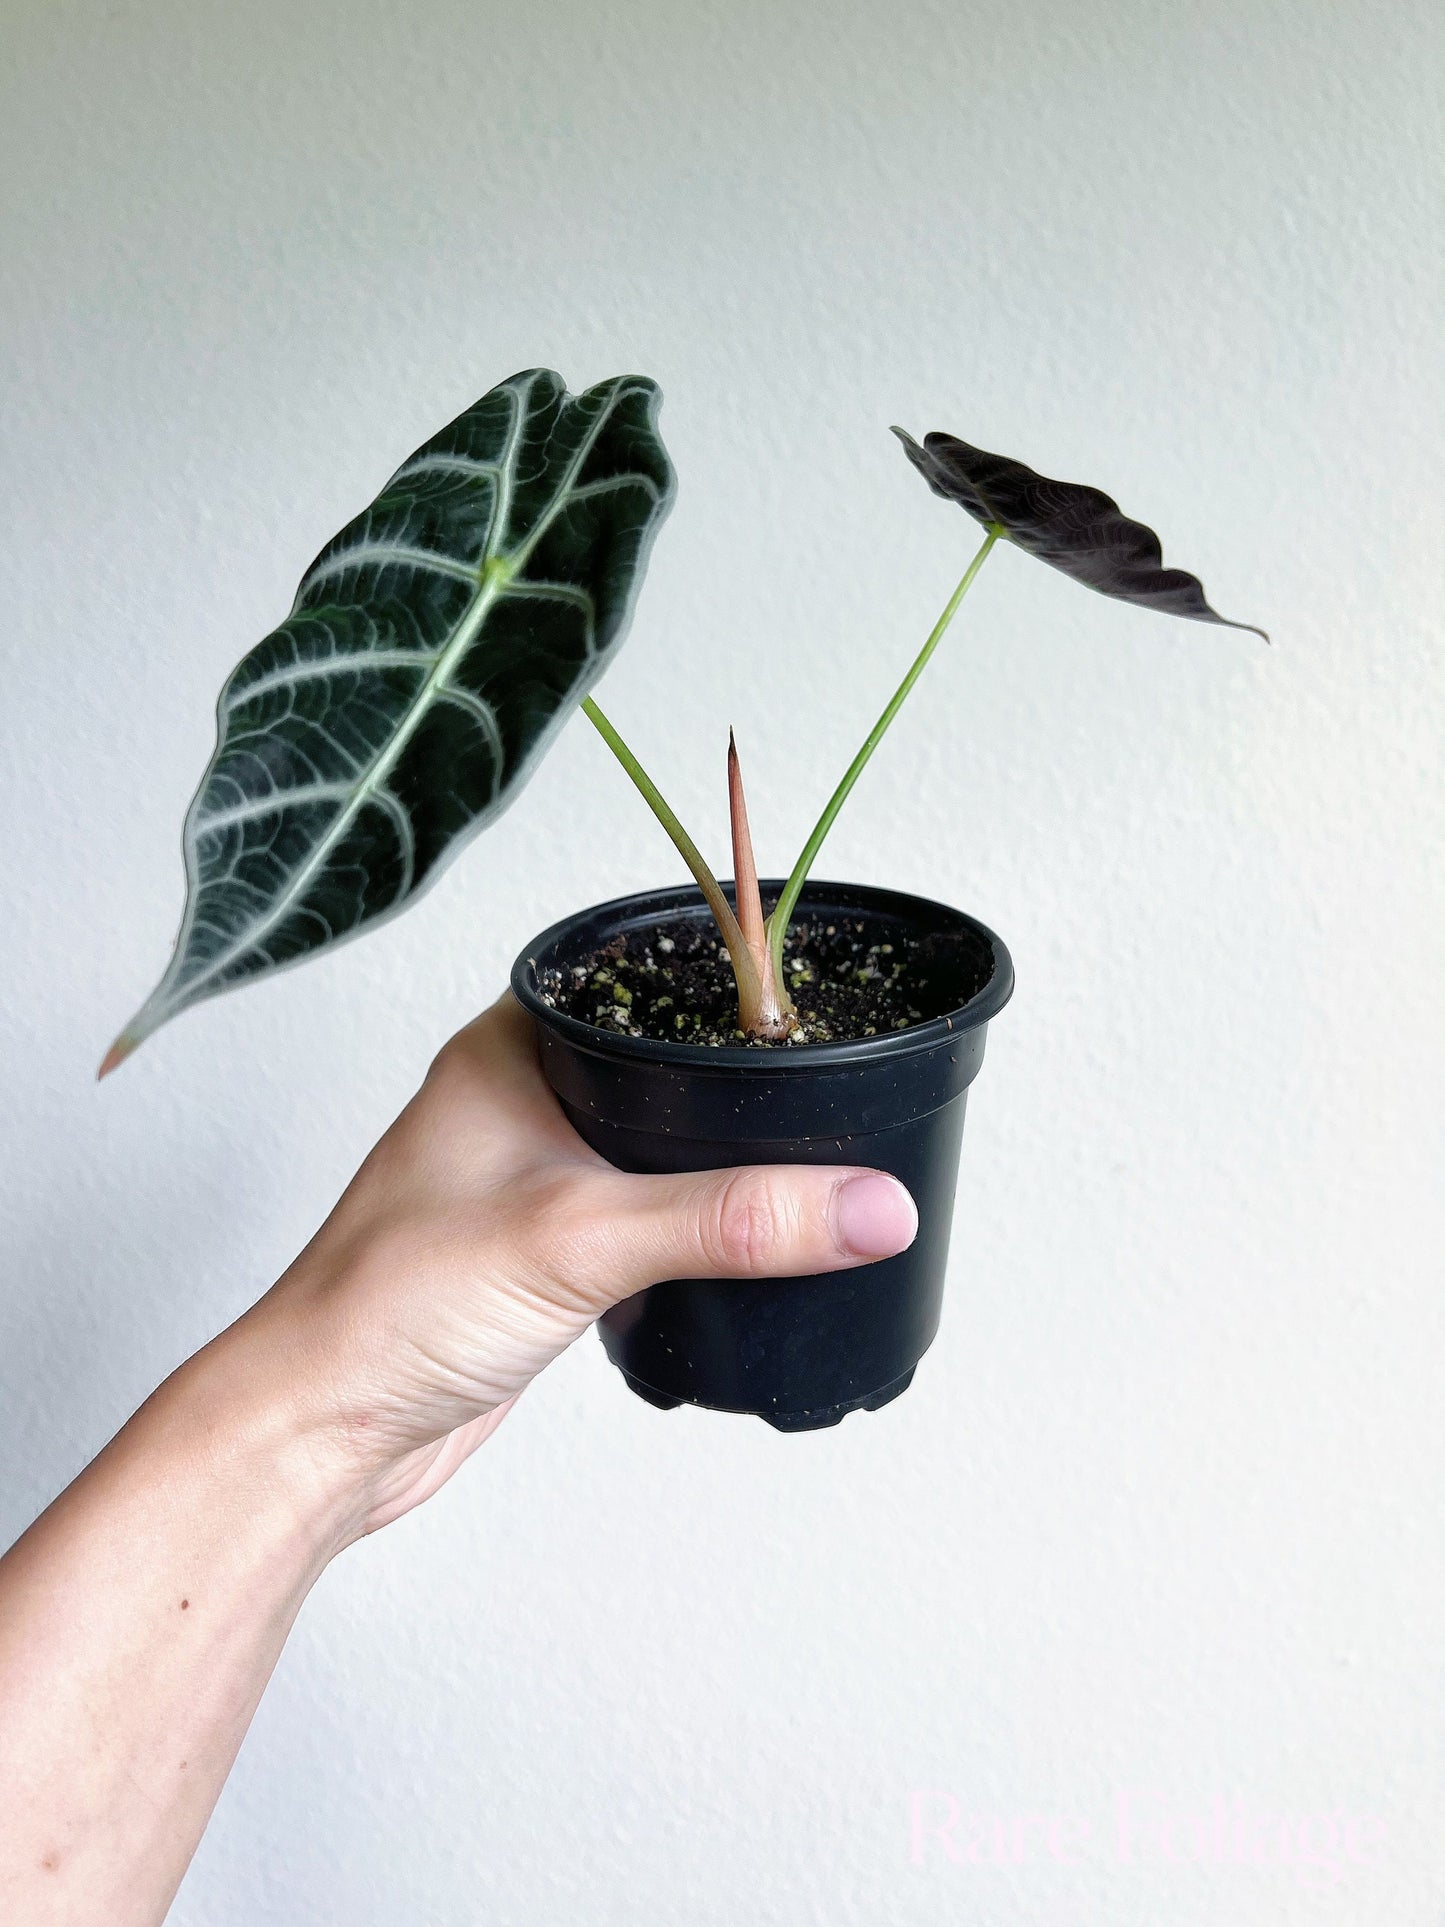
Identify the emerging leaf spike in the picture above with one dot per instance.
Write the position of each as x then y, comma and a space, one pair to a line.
745, 869
774, 1016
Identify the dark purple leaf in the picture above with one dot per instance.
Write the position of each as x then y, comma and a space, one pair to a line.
1077, 529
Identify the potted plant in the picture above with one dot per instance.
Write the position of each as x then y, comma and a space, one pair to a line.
435, 648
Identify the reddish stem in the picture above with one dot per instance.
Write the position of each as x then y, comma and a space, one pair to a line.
775, 1016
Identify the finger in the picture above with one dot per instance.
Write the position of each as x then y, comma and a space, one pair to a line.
758, 1221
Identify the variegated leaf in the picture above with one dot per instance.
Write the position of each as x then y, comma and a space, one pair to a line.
435, 647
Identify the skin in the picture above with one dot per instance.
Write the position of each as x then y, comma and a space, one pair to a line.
142, 1614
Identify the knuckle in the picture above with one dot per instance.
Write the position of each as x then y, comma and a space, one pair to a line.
558, 1233
751, 1223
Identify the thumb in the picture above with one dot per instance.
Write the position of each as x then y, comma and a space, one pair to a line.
757, 1221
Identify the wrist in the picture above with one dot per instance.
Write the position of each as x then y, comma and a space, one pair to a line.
243, 1414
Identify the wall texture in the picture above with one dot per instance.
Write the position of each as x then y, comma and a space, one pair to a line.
1160, 1522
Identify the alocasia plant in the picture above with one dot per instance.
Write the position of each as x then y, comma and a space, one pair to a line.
439, 642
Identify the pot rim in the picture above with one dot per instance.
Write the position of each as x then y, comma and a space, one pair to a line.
796, 1060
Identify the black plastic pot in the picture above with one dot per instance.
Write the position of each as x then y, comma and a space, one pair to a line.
799, 1352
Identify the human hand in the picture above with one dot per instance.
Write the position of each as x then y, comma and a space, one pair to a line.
476, 1242
482, 1236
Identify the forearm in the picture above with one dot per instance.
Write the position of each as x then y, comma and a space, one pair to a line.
140, 1618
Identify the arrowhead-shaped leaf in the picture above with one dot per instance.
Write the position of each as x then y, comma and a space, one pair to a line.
435, 647
1077, 529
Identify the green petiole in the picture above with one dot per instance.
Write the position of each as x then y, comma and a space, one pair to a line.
744, 968
787, 902
749, 968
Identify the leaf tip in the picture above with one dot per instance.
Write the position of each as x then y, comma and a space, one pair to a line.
117, 1054
1248, 628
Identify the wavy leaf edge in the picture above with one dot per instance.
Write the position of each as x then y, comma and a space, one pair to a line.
1062, 523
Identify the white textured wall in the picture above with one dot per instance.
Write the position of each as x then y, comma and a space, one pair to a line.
1163, 1510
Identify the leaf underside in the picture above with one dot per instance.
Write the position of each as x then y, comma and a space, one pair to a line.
435, 647
1066, 524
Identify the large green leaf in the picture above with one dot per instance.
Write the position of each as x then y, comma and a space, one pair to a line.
1069, 525
436, 646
